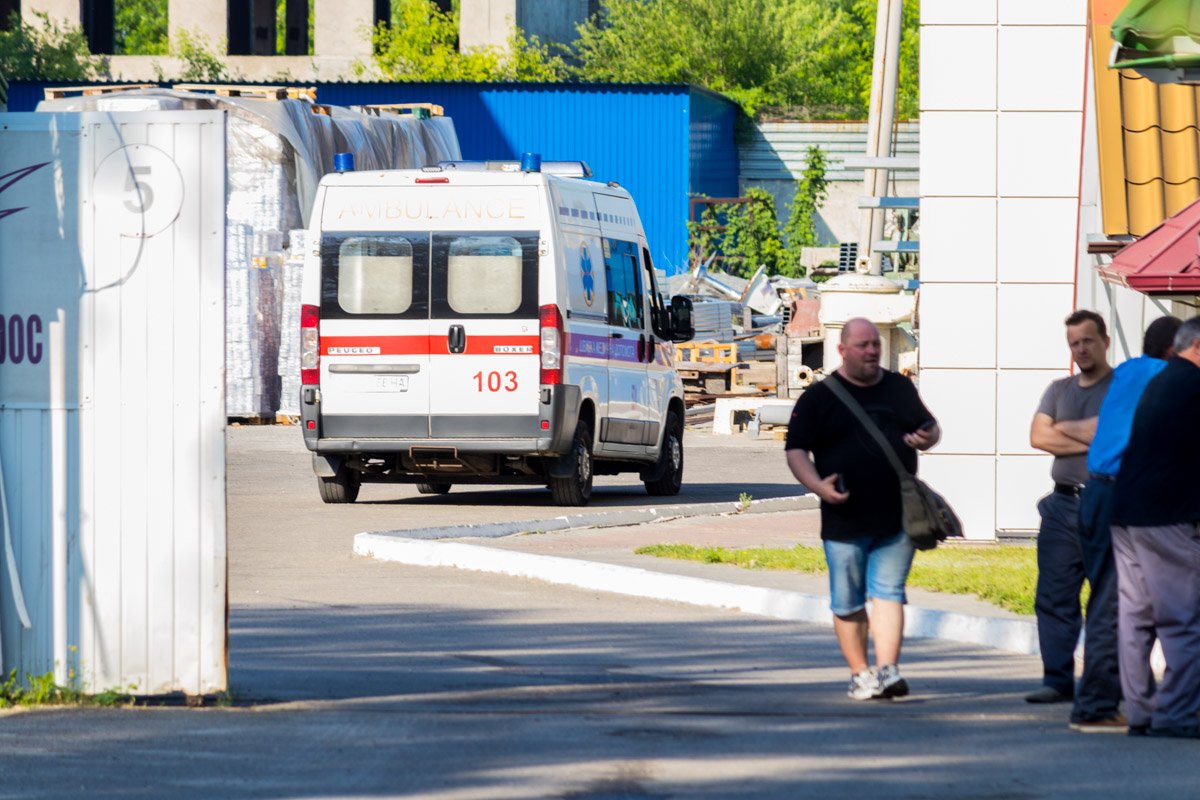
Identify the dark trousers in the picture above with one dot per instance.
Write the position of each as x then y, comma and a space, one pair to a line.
1160, 596
1098, 695
1060, 578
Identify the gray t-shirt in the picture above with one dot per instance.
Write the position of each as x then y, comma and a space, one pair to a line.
1065, 400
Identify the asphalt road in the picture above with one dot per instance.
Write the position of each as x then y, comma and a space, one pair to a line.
354, 678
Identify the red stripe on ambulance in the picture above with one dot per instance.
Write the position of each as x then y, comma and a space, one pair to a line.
426, 345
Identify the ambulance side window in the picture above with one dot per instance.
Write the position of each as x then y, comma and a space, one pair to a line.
625, 307
373, 275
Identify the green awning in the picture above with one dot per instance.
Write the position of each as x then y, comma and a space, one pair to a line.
1159, 38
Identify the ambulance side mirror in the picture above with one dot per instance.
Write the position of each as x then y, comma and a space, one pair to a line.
682, 329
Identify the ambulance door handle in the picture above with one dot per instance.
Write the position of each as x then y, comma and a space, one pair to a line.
456, 339
649, 349
641, 351
618, 335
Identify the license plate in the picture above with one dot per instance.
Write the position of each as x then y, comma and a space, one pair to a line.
391, 383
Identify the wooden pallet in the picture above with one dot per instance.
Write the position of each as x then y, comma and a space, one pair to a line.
251, 420
59, 92
256, 92
707, 352
418, 110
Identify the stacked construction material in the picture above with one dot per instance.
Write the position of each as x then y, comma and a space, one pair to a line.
716, 320
289, 327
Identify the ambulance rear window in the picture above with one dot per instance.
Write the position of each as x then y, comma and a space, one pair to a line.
483, 275
372, 274
490, 274
375, 275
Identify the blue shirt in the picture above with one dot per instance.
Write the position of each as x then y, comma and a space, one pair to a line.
1116, 413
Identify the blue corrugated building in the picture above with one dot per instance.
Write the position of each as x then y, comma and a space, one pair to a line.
663, 142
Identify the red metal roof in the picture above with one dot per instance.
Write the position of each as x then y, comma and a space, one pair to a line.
1164, 261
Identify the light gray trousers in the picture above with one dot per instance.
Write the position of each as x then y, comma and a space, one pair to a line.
1158, 574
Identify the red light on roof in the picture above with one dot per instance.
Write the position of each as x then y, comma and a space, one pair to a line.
432, 180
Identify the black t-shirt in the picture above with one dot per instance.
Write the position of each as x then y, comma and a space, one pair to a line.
822, 425
1157, 483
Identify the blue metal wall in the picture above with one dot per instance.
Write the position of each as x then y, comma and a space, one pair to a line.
661, 142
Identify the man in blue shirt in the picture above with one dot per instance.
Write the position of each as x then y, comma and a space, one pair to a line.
1099, 691
1156, 545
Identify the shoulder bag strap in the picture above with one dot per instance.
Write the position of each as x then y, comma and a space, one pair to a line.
841, 393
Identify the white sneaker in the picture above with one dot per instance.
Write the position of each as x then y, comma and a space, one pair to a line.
864, 686
891, 684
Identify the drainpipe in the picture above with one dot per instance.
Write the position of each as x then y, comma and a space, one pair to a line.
882, 114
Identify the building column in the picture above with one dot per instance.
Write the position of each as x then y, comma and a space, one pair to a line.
70, 11
485, 23
337, 27
206, 18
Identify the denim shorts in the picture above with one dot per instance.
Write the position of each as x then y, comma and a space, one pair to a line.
869, 566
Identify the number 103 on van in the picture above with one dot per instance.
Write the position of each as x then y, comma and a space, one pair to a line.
495, 381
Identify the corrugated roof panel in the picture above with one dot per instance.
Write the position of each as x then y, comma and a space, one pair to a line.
1149, 139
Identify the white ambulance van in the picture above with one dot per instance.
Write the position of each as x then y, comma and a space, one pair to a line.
483, 323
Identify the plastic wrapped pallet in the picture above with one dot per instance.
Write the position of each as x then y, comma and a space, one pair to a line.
289, 326
276, 153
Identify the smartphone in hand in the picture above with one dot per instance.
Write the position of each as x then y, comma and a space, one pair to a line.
927, 425
839, 483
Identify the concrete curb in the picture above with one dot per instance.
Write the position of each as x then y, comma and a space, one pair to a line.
1018, 636
608, 519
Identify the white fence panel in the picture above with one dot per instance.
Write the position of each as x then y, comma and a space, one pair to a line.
112, 443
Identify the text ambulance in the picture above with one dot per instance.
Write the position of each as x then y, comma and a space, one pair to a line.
486, 323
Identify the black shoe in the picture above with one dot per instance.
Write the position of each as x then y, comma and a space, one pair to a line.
1176, 732
1139, 730
1048, 694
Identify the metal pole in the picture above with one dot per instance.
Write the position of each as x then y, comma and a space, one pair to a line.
881, 116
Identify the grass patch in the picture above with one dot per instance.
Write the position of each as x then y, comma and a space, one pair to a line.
41, 690
1005, 575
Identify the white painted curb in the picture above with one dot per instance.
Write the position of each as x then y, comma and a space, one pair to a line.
1015, 635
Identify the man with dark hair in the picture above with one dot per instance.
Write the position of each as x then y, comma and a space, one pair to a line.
1098, 694
1156, 542
868, 552
1063, 426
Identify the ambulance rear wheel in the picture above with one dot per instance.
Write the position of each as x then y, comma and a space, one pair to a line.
342, 487
576, 489
433, 488
670, 460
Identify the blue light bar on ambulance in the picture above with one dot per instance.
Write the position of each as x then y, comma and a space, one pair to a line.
343, 162
563, 169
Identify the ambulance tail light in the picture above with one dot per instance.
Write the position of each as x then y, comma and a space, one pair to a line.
551, 321
310, 346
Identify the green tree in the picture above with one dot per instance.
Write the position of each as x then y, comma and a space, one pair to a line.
421, 44
752, 237
759, 52
140, 27
46, 51
801, 228
200, 61
907, 92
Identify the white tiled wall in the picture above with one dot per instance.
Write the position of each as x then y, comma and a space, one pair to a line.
1002, 91
969, 483
958, 239
1029, 319
1035, 239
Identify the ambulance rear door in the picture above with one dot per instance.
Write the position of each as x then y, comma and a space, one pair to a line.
375, 334
483, 329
